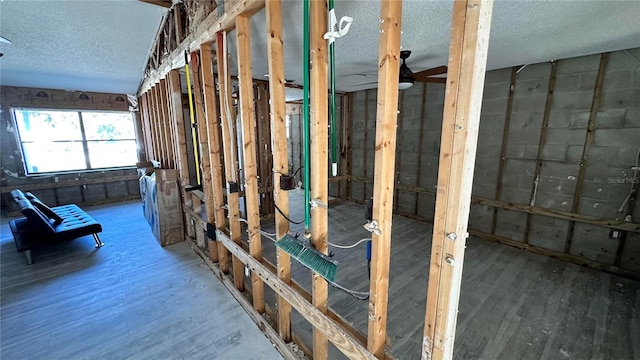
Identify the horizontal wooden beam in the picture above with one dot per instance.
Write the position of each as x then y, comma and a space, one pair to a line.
164, 4
338, 336
204, 33
66, 183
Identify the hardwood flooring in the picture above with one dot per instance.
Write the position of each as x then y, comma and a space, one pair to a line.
134, 299
131, 299
513, 304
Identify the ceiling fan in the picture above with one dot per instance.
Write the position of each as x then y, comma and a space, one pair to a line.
408, 77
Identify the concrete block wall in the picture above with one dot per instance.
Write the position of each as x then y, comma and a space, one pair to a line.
540, 167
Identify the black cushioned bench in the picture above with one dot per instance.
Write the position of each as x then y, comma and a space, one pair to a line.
44, 226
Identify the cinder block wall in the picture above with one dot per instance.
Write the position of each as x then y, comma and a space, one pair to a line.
542, 153
84, 187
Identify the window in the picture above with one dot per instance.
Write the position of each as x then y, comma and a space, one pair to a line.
65, 140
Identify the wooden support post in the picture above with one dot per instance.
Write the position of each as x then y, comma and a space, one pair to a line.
177, 18
280, 153
162, 158
171, 124
541, 143
151, 125
166, 126
463, 99
230, 158
179, 127
591, 129
319, 156
503, 146
175, 93
252, 200
203, 142
213, 134
383, 183
146, 129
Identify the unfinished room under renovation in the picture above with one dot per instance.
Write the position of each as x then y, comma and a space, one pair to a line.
320, 179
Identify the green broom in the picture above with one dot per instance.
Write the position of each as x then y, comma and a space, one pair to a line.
309, 257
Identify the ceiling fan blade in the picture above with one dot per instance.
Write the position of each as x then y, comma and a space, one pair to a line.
436, 80
422, 75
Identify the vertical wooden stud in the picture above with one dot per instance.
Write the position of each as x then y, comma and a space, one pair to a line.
503, 146
203, 141
383, 183
591, 129
279, 149
230, 159
541, 143
252, 200
319, 148
463, 99
164, 110
213, 134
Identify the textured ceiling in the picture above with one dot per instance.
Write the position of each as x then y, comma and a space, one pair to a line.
88, 45
100, 45
522, 32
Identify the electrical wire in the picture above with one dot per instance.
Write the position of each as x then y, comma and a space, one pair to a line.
286, 217
349, 246
356, 294
226, 100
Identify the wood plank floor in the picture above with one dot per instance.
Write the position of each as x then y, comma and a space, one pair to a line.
131, 299
514, 304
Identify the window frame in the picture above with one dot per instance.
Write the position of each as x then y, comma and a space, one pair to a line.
84, 140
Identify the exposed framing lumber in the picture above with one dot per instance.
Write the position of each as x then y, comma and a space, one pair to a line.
247, 109
213, 126
152, 129
142, 105
319, 160
204, 142
591, 129
338, 336
159, 128
171, 123
230, 153
161, 3
177, 19
178, 122
541, 144
383, 185
166, 126
204, 33
280, 152
463, 99
503, 146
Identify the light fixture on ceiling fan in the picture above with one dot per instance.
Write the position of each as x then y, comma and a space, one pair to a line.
408, 77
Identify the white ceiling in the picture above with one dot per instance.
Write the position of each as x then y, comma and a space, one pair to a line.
87, 45
102, 45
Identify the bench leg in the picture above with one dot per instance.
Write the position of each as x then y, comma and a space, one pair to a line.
27, 254
99, 243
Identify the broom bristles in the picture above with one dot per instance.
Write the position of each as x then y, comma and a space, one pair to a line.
309, 257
